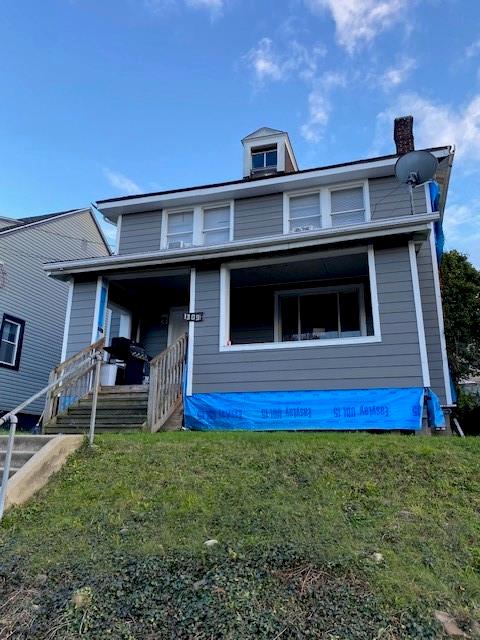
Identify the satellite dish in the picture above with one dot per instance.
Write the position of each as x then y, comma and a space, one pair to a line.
416, 167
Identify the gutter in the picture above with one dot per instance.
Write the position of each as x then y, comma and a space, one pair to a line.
405, 224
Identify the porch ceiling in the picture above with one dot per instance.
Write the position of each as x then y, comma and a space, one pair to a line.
302, 271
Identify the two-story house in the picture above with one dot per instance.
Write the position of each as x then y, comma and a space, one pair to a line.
314, 293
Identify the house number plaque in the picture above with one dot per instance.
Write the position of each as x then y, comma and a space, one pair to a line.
193, 316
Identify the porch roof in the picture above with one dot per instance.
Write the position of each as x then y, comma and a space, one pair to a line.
418, 224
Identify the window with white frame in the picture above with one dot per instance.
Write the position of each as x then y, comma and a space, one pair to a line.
320, 314
264, 158
179, 230
216, 225
304, 213
347, 206
11, 335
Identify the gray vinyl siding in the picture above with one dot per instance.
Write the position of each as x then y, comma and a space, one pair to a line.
430, 319
153, 338
257, 217
81, 317
393, 362
140, 232
390, 199
40, 301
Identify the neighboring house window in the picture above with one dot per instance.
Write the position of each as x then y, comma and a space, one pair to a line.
304, 213
347, 206
216, 225
264, 158
320, 314
180, 230
11, 336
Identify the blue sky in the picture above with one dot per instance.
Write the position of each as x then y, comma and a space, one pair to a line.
107, 97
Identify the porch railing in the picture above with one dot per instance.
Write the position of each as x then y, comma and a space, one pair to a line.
166, 377
76, 378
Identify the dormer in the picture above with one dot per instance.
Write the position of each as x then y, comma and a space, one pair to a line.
267, 152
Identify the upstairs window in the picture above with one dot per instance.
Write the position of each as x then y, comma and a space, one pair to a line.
347, 206
264, 158
216, 225
180, 230
305, 214
11, 336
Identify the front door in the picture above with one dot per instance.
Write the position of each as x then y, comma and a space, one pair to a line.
177, 326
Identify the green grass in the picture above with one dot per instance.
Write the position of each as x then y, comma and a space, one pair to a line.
335, 499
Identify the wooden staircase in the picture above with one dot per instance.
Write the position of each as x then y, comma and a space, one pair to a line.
119, 409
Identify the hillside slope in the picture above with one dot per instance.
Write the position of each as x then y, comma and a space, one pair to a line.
319, 536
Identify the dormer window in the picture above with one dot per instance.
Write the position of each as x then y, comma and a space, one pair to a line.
264, 158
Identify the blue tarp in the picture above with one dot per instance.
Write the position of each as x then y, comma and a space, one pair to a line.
380, 409
436, 419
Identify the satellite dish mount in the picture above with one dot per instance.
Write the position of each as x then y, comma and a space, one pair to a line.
414, 169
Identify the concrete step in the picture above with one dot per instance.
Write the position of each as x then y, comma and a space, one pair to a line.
18, 457
25, 443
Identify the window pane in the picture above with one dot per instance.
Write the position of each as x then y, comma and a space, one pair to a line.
303, 206
180, 222
350, 313
289, 316
10, 331
7, 351
217, 237
271, 159
347, 199
305, 224
258, 160
354, 217
217, 217
318, 316
181, 241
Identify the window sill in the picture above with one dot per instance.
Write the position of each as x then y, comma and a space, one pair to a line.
263, 346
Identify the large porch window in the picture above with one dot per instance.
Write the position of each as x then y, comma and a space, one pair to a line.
311, 300
320, 314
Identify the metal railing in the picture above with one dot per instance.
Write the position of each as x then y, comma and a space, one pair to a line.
166, 377
68, 383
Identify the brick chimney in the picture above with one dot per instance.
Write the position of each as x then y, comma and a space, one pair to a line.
403, 134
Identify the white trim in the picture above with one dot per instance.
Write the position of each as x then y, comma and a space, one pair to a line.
237, 248
225, 191
266, 346
372, 276
224, 333
191, 332
119, 231
68, 314
419, 314
224, 324
441, 326
366, 200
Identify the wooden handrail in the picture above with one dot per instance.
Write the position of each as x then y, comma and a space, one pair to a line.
96, 346
166, 378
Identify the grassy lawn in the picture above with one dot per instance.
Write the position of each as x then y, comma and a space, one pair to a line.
298, 519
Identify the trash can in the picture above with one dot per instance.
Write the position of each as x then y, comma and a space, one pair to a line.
108, 375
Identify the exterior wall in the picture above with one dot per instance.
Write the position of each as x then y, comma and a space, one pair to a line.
425, 266
140, 232
262, 216
81, 317
393, 362
390, 199
40, 301
257, 217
